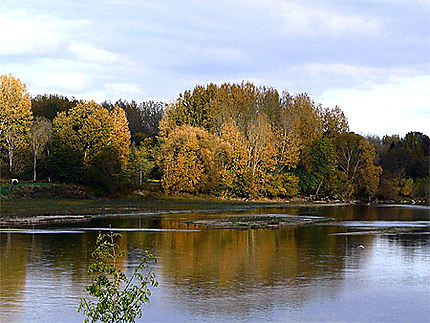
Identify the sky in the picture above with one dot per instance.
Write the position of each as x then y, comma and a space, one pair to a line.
371, 58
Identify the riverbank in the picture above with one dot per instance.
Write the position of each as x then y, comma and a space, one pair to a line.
49, 211
51, 204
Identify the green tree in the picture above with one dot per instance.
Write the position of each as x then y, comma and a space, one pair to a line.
416, 146
317, 173
355, 168
116, 298
140, 161
40, 134
405, 163
143, 118
48, 105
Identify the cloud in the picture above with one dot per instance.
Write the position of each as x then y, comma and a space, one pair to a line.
122, 90
28, 33
58, 55
87, 52
301, 18
335, 50
395, 107
425, 3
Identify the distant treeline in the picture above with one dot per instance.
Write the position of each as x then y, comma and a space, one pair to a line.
229, 140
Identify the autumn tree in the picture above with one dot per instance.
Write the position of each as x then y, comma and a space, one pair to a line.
40, 134
287, 141
261, 152
275, 132
234, 174
181, 164
120, 135
91, 146
306, 119
15, 115
191, 161
210, 106
334, 122
190, 108
87, 128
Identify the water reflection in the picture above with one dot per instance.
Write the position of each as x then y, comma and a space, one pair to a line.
13, 262
232, 265
229, 275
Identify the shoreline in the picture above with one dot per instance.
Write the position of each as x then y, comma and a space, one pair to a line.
46, 212
19, 221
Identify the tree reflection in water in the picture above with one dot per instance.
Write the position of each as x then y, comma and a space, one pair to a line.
211, 273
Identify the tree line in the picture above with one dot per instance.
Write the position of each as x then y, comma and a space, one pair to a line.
228, 140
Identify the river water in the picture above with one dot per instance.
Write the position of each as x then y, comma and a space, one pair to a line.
293, 274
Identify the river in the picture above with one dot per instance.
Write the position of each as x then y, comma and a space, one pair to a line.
292, 274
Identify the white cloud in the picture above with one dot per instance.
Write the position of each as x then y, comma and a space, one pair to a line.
57, 55
60, 81
339, 52
113, 92
408, 2
25, 32
87, 52
361, 77
300, 18
395, 107
122, 90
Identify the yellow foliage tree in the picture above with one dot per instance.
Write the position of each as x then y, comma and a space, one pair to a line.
265, 139
87, 128
192, 161
234, 167
306, 119
334, 122
181, 164
120, 135
15, 114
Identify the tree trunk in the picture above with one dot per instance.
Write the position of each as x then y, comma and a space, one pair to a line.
10, 147
34, 168
10, 161
318, 188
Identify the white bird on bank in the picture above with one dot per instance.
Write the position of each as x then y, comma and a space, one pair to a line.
360, 246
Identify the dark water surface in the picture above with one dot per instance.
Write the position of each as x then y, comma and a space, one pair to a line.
302, 274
